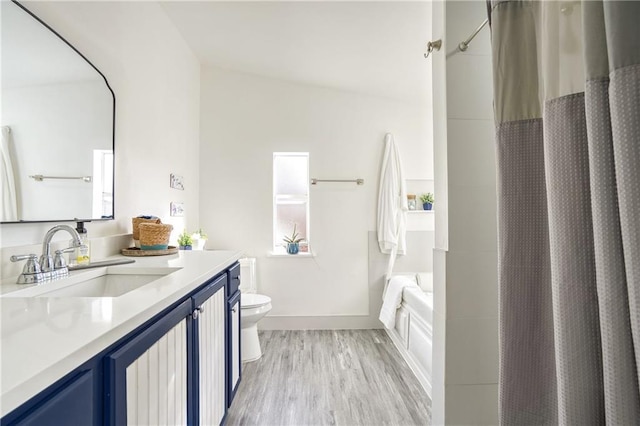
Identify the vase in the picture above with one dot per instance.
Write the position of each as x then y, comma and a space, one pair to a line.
185, 247
427, 206
293, 248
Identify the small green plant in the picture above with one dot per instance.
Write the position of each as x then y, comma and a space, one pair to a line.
185, 239
295, 237
427, 198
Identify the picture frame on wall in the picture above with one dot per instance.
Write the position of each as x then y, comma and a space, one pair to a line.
177, 209
176, 182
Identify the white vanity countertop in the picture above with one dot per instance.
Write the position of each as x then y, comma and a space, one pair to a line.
42, 339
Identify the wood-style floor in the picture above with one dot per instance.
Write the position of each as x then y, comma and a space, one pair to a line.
341, 377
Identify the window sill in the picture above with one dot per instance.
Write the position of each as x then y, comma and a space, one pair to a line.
280, 254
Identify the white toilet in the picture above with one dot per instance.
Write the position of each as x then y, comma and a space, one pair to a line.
252, 308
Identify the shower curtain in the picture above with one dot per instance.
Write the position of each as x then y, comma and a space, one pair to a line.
567, 104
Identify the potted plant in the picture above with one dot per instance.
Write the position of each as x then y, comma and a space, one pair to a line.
185, 242
427, 201
199, 239
293, 242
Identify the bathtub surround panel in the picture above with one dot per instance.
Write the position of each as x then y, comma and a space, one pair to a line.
342, 377
156, 80
245, 119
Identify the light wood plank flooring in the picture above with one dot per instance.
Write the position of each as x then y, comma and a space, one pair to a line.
329, 377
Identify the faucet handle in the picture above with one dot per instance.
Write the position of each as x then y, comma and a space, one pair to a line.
31, 273
58, 260
59, 264
20, 257
32, 266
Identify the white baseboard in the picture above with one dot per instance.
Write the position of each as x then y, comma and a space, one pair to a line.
334, 322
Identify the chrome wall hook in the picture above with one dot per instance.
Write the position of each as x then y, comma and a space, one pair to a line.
433, 45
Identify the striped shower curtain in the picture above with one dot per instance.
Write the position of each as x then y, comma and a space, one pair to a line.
567, 106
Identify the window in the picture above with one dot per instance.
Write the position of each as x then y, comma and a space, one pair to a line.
290, 199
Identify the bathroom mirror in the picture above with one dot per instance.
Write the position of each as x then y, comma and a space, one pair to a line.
57, 118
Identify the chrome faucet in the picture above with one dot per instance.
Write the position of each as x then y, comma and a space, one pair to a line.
46, 260
47, 268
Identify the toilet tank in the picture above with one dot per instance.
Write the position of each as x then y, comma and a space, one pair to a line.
248, 275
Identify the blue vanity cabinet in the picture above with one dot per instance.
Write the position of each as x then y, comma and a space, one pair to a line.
174, 369
234, 367
148, 379
210, 360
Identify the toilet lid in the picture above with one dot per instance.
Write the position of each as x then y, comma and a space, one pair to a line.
253, 300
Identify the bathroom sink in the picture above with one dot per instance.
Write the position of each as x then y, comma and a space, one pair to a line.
103, 282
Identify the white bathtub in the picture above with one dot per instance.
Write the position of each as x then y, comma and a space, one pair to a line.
412, 334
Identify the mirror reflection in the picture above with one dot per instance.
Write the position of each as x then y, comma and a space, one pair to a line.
57, 123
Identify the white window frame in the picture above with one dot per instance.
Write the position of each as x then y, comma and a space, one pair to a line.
278, 245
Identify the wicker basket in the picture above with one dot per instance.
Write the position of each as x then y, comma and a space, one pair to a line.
154, 236
136, 221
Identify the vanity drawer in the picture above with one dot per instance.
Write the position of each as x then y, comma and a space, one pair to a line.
234, 280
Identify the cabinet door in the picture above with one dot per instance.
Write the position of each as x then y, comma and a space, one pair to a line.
210, 370
235, 359
71, 404
147, 377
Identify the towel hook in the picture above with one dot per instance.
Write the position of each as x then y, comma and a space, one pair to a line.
433, 45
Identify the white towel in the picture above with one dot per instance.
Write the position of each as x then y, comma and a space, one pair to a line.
393, 299
9, 211
392, 202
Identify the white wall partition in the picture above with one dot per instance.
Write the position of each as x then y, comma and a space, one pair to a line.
465, 329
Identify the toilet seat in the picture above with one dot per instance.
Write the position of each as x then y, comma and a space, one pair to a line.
253, 300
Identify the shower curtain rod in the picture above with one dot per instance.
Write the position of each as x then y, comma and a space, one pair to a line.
465, 44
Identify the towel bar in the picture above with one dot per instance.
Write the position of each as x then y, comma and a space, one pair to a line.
358, 181
40, 178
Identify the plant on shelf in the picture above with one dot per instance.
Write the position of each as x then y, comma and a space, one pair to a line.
185, 242
293, 242
199, 239
427, 201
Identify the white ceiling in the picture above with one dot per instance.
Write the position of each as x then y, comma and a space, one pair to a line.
366, 47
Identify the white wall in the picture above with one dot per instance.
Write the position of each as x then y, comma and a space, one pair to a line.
156, 80
245, 118
465, 260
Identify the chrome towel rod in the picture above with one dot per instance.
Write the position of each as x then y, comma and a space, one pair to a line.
358, 181
40, 178
465, 44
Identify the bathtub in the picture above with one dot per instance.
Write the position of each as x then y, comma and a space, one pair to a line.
412, 334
